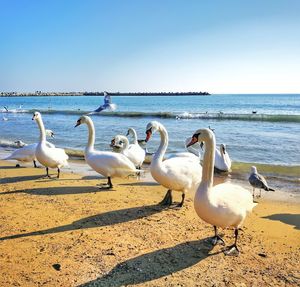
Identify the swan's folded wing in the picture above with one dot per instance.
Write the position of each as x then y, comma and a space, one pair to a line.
233, 196
58, 154
26, 153
114, 162
50, 145
183, 169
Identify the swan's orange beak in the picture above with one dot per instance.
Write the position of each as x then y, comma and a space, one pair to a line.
193, 141
148, 135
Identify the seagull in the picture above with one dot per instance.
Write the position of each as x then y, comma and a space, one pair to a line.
107, 104
258, 181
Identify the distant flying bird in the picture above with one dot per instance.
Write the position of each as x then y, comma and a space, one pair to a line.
258, 181
107, 104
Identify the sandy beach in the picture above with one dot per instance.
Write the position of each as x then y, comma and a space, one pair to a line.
68, 232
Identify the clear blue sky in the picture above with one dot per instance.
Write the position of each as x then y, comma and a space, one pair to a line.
220, 46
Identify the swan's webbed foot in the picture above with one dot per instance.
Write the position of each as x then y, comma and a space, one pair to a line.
167, 199
217, 240
18, 165
108, 185
232, 250
182, 201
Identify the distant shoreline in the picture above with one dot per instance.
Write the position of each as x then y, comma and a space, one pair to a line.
76, 94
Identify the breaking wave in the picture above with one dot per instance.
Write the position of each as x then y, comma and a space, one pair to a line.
136, 114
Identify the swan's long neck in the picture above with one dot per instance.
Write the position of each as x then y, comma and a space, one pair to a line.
42, 130
209, 162
91, 139
164, 138
222, 153
133, 132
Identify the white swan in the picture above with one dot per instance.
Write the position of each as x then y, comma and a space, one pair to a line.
222, 159
223, 205
133, 151
107, 163
26, 152
47, 156
181, 173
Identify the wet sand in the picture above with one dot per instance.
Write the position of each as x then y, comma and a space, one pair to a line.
68, 232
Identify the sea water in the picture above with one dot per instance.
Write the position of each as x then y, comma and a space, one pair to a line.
257, 129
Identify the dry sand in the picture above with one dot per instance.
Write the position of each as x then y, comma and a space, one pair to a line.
122, 237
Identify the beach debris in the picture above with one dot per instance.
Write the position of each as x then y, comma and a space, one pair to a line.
258, 181
57, 266
262, 255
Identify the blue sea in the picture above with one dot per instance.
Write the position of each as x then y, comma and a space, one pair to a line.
257, 129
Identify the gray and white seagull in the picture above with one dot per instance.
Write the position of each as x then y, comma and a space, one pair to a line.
258, 181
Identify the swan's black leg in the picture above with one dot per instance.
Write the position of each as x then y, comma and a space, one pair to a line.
182, 200
47, 172
34, 164
167, 199
109, 183
217, 239
18, 165
233, 250
58, 172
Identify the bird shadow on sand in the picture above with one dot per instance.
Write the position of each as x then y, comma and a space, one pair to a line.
19, 178
59, 190
154, 265
287, 218
93, 177
11, 167
95, 221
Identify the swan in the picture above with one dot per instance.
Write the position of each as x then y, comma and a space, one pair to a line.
223, 205
26, 152
136, 148
222, 159
258, 181
107, 163
181, 173
133, 151
48, 156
